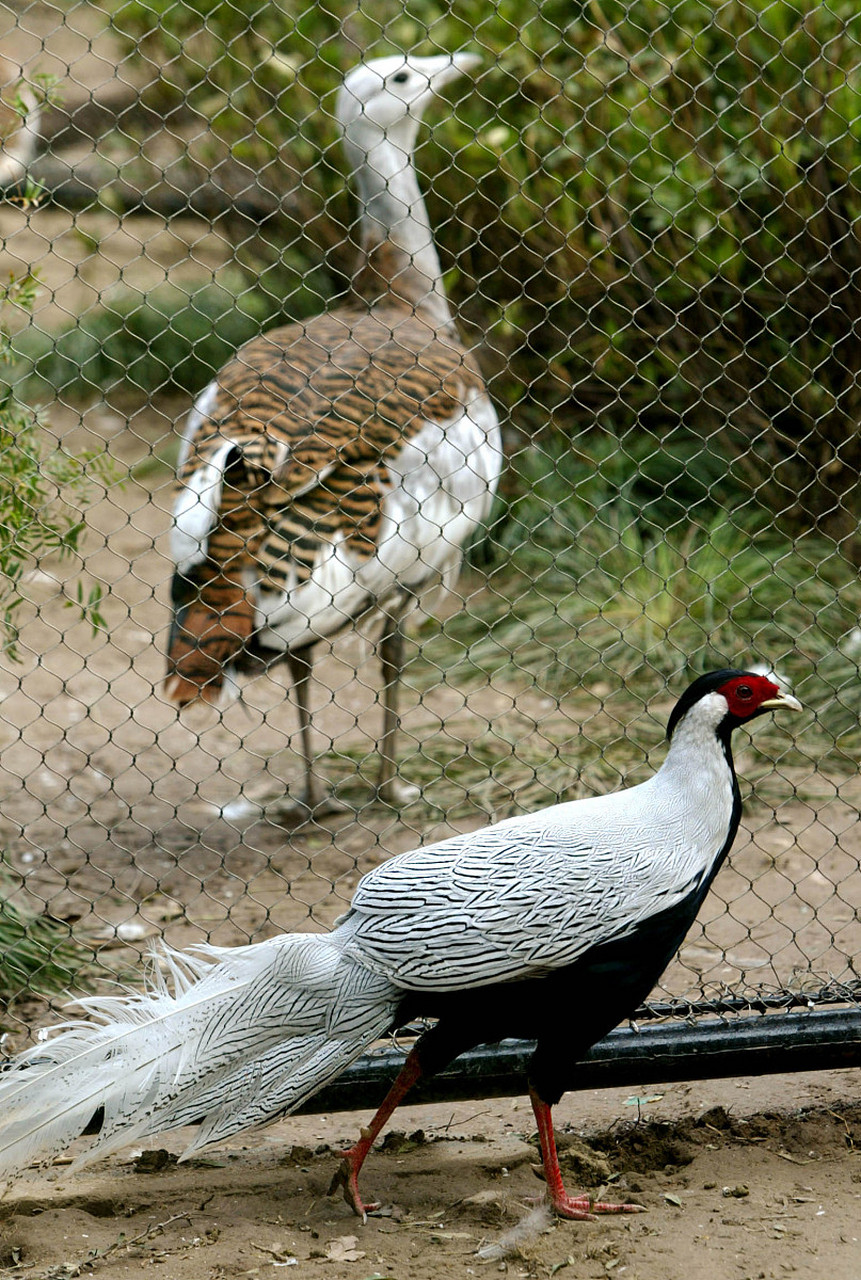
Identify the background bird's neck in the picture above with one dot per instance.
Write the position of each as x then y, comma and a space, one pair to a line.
398, 256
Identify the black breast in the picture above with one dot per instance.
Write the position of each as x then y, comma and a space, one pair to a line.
567, 1011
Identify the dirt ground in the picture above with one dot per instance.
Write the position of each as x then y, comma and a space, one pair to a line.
741, 1180
130, 821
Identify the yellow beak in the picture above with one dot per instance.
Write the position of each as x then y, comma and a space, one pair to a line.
784, 700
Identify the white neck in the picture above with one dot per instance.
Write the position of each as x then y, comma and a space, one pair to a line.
398, 255
695, 735
696, 769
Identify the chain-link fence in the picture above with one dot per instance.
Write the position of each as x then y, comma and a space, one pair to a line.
647, 223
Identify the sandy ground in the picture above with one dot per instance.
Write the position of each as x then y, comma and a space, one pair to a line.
741, 1180
130, 821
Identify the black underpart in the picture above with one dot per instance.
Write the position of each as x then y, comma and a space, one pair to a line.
254, 658
566, 1011
184, 592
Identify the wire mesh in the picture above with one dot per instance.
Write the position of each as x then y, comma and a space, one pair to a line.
647, 220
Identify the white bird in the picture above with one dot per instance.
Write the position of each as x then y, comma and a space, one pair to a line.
551, 926
334, 469
19, 124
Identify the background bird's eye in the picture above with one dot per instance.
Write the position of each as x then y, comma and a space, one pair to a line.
401, 78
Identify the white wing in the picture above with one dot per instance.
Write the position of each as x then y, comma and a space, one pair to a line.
529, 895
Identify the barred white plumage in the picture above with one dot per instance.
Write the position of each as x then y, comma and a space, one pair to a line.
334, 470
554, 925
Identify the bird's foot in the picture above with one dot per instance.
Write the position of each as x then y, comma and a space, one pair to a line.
585, 1209
398, 793
346, 1177
288, 812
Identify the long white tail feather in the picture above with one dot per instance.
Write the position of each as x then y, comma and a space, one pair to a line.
230, 1036
277, 1094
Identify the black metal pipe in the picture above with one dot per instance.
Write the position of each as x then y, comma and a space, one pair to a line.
758, 1045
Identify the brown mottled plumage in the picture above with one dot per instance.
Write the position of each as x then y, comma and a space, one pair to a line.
336, 467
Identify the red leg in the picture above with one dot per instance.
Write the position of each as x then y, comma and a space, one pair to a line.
581, 1208
348, 1174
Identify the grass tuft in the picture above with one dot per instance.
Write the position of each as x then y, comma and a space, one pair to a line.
38, 955
590, 598
165, 340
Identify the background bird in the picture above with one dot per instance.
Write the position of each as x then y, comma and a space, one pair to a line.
551, 926
334, 469
19, 124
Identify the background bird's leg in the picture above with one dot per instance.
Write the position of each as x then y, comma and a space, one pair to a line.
390, 647
348, 1173
581, 1208
313, 798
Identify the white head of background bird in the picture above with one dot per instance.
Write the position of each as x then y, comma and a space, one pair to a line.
385, 99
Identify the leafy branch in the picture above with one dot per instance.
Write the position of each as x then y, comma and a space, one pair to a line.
41, 491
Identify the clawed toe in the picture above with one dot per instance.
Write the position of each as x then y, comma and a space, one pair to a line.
398, 793
345, 1180
584, 1209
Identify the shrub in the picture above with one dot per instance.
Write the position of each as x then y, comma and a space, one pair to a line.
167, 339
32, 520
36, 952
660, 231
38, 955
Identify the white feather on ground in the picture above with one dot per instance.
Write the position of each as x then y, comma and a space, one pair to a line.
511, 1242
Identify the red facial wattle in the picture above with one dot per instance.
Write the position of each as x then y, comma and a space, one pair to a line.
746, 694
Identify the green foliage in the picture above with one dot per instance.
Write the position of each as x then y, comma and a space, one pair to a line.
32, 521
649, 211
593, 592
164, 340
42, 86
37, 953
501, 772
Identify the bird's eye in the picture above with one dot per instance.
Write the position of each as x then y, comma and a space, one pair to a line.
401, 78
744, 691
